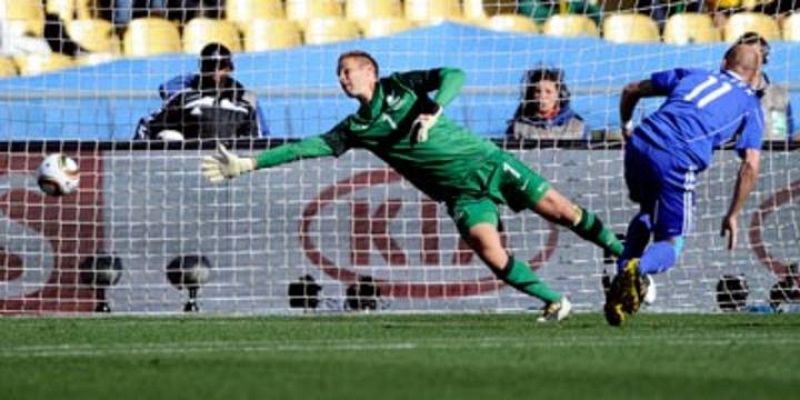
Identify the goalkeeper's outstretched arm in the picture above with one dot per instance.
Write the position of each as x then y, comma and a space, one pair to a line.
225, 164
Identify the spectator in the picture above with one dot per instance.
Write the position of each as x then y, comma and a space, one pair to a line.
778, 119
211, 104
540, 10
544, 112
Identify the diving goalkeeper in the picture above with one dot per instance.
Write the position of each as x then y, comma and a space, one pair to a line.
401, 124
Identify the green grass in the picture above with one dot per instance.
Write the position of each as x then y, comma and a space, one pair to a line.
401, 357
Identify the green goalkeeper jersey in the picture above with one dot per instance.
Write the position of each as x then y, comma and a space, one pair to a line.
440, 166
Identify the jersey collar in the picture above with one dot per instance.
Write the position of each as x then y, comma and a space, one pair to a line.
373, 109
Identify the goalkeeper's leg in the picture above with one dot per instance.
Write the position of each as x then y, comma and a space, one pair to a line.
477, 221
554, 207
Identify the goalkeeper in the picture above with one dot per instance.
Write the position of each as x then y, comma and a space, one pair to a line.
401, 124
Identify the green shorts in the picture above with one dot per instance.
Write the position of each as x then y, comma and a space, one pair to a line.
504, 180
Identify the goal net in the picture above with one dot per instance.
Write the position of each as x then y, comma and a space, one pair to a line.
146, 234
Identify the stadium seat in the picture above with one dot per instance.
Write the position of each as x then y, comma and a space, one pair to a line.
7, 67
329, 29
96, 35
630, 28
35, 64
303, 10
151, 36
690, 28
474, 10
95, 58
364, 10
385, 26
199, 32
241, 11
570, 25
511, 23
432, 10
28, 15
791, 27
269, 34
743, 22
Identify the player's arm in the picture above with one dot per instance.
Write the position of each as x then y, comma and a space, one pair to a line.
631, 94
447, 83
745, 182
225, 164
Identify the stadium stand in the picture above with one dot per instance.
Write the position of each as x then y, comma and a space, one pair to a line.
630, 28
474, 10
303, 10
511, 23
432, 10
95, 35
791, 27
364, 10
36, 64
151, 36
690, 28
385, 26
7, 67
270, 34
242, 11
329, 29
743, 22
28, 13
199, 32
570, 25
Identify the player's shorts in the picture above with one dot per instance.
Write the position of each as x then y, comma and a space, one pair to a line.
663, 185
503, 179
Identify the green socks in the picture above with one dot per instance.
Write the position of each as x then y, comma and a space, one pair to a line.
520, 276
591, 228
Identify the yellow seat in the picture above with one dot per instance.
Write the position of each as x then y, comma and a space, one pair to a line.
269, 34
96, 35
432, 10
365, 10
743, 22
95, 58
151, 36
7, 67
570, 25
35, 64
329, 29
690, 28
511, 23
791, 27
474, 10
242, 11
25, 16
630, 28
301, 11
201, 31
385, 26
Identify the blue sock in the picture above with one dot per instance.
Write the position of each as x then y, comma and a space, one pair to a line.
636, 238
660, 256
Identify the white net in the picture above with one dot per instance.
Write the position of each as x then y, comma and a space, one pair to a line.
341, 220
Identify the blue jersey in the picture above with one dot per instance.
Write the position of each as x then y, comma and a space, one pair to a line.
703, 110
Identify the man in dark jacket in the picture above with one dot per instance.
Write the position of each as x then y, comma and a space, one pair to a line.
208, 105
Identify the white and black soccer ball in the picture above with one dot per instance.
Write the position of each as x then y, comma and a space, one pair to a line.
58, 175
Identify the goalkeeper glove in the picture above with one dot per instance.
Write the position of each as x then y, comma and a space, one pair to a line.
225, 164
423, 123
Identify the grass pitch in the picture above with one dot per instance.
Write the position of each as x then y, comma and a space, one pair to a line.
401, 357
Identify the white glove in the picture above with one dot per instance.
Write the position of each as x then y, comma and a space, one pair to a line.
225, 164
423, 123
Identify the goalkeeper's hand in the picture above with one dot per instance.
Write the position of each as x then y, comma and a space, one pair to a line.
423, 123
225, 164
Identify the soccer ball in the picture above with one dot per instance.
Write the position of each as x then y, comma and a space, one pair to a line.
58, 175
